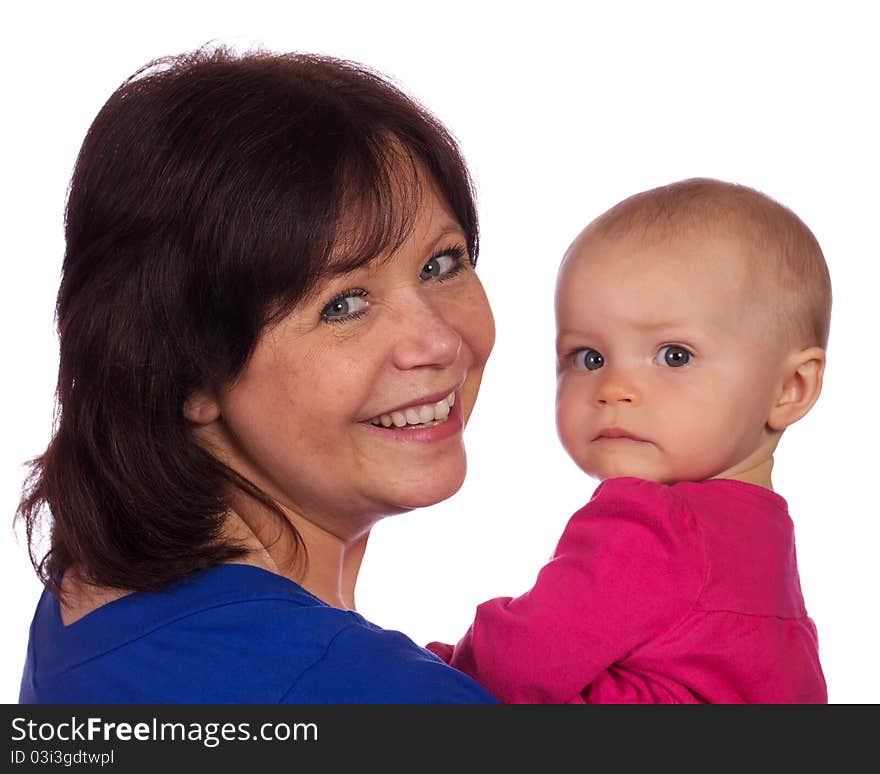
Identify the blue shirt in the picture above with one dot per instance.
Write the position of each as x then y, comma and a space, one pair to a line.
230, 634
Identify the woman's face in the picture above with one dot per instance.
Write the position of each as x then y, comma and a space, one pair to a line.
315, 417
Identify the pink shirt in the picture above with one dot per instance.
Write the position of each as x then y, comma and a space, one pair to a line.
656, 594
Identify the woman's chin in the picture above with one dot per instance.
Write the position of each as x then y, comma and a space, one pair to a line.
430, 490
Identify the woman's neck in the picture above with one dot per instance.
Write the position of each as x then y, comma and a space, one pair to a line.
79, 597
330, 574
328, 568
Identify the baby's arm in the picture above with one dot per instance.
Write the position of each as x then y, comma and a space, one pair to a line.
626, 568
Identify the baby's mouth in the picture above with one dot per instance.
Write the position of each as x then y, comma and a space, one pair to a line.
616, 433
426, 415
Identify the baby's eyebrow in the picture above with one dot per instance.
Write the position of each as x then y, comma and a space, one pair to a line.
647, 325
570, 334
569, 340
653, 325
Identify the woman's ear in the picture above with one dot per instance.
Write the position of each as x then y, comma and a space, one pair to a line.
801, 388
201, 408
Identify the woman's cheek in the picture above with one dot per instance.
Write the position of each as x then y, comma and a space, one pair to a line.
478, 322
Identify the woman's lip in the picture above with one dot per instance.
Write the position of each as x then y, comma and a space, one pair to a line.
435, 397
453, 425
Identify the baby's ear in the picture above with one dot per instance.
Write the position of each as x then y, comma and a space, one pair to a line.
800, 388
201, 408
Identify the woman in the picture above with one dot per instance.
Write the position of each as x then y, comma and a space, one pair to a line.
271, 337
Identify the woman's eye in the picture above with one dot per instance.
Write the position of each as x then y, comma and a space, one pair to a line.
442, 265
673, 356
345, 306
588, 359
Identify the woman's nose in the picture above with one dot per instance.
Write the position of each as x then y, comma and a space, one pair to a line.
617, 388
425, 338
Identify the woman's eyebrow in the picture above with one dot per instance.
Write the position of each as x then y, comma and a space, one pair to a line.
450, 228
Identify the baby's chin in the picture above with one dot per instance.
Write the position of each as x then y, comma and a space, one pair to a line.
647, 462
643, 472
665, 477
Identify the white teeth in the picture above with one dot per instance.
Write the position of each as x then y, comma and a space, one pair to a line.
441, 409
417, 415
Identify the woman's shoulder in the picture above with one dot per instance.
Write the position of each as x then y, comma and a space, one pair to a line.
233, 633
229, 607
322, 654
226, 588
367, 664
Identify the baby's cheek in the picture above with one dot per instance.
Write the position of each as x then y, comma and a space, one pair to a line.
571, 424
701, 447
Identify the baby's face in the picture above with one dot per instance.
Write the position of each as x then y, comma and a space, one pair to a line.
667, 370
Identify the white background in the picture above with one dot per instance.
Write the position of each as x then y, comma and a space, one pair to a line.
560, 113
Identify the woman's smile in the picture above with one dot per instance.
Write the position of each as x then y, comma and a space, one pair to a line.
421, 423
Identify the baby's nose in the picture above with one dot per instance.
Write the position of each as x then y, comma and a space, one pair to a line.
616, 390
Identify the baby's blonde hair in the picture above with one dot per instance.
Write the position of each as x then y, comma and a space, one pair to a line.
786, 261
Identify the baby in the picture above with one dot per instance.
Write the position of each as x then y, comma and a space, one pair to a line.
692, 324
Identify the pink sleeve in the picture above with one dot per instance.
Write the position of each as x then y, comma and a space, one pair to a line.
442, 650
628, 566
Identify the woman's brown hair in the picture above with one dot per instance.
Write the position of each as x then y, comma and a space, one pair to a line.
207, 199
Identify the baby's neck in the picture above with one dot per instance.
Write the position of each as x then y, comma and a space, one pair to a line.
757, 473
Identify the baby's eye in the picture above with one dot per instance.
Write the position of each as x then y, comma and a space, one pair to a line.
443, 265
673, 356
346, 306
588, 359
